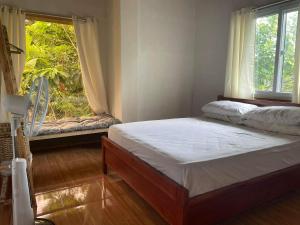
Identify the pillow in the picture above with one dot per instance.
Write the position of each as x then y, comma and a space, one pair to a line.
285, 115
227, 110
273, 127
232, 119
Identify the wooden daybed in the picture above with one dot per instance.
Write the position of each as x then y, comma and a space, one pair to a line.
172, 200
72, 131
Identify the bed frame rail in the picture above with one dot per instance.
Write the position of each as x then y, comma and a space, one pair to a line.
224, 203
167, 197
172, 202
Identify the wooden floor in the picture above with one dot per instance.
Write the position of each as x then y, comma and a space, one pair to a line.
71, 189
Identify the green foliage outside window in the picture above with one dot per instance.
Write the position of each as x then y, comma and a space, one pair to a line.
51, 52
289, 53
265, 52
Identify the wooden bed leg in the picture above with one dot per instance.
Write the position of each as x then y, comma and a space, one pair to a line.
104, 165
104, 169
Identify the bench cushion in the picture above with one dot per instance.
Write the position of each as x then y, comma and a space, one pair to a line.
68, 125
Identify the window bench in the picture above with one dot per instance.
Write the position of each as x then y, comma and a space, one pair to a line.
72, 131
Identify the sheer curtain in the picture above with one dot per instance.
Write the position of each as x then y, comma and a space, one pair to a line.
296, 92
14, 20
239, 81
90, 62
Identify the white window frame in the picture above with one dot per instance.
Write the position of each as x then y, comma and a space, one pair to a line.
281, 10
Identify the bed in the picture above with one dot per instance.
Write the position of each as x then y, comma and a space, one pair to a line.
161, 161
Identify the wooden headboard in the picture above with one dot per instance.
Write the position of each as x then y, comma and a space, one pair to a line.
259, 102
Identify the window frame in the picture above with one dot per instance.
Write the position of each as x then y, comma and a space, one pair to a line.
282, 11
30, 15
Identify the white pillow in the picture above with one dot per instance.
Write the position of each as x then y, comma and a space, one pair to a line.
232, 119
227, 110
285, 115
273, 127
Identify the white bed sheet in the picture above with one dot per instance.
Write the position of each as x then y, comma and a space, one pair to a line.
205, 154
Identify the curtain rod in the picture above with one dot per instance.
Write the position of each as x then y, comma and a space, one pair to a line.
47, 16
273, 4
51, 16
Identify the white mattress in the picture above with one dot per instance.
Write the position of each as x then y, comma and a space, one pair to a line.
204, 154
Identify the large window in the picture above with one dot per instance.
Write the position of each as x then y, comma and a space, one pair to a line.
51, 52
275, 51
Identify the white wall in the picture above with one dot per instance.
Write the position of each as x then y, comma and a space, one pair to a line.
157, 58
213, 18
114, 59
129, 59
173, 55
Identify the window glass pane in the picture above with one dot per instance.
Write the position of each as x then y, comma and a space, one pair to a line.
289, 52
265, 52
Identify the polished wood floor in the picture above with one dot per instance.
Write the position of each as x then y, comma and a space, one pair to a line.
70, 189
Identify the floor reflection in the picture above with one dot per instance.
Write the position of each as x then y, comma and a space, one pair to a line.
71, 190
77, 192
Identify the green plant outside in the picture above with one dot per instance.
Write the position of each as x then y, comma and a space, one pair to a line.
266, 39
51, 52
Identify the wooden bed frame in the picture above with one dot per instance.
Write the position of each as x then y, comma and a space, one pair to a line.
172, 201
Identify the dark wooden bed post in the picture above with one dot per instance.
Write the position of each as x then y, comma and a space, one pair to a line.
104, 165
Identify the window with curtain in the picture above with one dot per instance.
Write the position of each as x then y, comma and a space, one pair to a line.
275, 45
51, 51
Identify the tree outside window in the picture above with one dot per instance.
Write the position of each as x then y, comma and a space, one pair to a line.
275, 51
51, 52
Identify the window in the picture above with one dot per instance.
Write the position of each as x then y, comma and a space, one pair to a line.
51, 52
275, 51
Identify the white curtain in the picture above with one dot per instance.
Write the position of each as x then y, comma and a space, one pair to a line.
14, 20
239, 81
296, 92
90, 62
